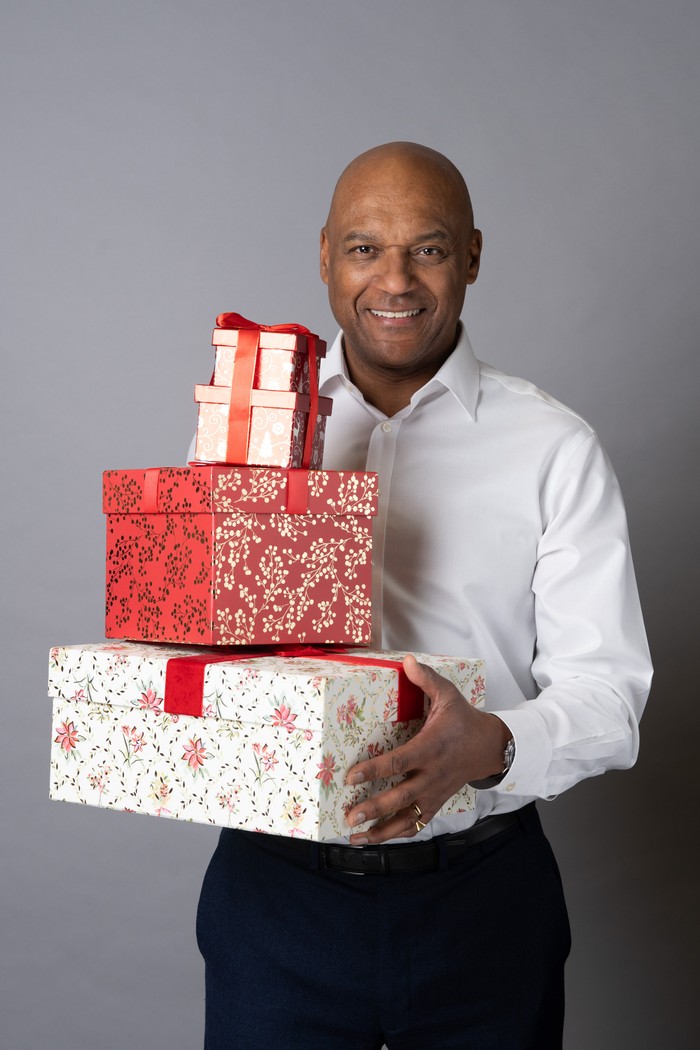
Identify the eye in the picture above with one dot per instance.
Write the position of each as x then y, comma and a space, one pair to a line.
429, 254
361, 249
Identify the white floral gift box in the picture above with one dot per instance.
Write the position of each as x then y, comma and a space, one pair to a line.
268, 752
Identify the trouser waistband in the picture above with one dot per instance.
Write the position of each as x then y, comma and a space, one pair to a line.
399, 857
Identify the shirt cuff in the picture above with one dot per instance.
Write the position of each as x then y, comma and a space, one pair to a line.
533, 754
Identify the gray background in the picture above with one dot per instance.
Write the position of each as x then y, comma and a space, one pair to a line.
164, 161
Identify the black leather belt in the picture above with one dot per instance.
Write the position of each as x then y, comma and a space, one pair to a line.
420, 856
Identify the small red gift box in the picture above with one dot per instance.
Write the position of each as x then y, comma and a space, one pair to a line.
278, 422
219, 555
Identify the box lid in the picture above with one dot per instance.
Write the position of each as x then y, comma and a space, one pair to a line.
303, 693
221, 395
221, 488
268, 340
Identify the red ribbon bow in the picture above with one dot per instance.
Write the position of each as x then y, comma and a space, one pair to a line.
239, 322
184, 676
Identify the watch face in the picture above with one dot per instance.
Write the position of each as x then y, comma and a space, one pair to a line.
508, 755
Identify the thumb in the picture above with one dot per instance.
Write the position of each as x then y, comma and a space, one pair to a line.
423, 676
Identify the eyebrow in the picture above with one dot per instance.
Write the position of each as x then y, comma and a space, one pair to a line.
364, 235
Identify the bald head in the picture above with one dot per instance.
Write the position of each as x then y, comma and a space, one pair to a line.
397, 253
396, 165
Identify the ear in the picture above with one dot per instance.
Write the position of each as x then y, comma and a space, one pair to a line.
324, 255
474, 253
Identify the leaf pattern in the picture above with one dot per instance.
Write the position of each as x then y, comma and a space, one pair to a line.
225, 564
270, 753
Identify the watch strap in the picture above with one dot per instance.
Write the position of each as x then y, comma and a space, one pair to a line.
494, 781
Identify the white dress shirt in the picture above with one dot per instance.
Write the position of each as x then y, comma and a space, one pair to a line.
502, 535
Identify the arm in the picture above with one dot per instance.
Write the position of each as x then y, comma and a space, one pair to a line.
591, 661
591, 664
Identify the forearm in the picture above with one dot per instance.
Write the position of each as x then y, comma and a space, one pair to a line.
570, 733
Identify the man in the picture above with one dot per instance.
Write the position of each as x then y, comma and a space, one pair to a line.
501, 535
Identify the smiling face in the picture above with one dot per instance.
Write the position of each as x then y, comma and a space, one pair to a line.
397, 253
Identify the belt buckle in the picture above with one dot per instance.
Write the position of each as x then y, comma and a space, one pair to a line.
381, 852
326, 853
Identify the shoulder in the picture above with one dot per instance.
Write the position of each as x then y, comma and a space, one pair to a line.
511, 402
527, 397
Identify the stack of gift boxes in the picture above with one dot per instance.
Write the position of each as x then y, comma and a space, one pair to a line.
252, 544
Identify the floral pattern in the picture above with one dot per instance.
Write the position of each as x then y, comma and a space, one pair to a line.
265, 759
327, 772
478, 690
149, 701
223, 563
99, 780
228, 800
282, 716
195, 754
293, 812
351, 717
159, 793
271, 753
67, 737
134, 743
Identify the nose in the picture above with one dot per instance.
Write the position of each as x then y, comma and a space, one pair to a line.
394, 273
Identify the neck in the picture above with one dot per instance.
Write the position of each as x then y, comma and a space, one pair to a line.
388, 389
387, 393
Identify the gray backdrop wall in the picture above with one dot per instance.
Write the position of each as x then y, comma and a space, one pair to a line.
164, 161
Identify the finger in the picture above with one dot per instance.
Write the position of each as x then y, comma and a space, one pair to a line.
403, 825
397, 799
395, 763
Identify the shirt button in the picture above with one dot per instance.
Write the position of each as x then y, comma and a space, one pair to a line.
386, 427
509, 787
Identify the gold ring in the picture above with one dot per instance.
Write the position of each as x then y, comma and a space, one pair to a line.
417, 810
419, 825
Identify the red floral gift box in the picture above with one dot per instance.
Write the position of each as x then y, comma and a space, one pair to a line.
262, 407
217, 555
258, 742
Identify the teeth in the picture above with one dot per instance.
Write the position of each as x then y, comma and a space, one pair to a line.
395, 313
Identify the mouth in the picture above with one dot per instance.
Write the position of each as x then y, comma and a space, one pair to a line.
395, 314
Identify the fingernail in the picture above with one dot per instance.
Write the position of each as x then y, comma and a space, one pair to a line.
357, 818
357, 778
361, 841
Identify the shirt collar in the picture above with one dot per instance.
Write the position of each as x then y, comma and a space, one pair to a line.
459, 374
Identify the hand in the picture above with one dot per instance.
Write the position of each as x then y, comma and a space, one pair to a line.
457, 743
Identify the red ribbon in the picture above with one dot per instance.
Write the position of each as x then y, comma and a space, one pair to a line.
151, 482
297, 490
232, 320
184, 676
242, 383
157, 521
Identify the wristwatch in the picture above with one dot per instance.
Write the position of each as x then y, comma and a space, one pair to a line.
508, 759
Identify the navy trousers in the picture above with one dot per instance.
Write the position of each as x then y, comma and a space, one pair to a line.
468, 956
